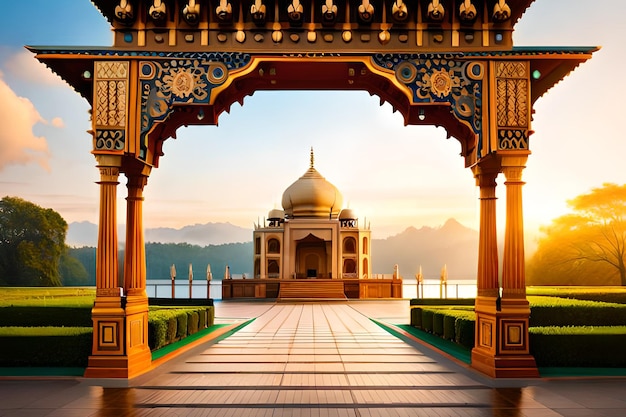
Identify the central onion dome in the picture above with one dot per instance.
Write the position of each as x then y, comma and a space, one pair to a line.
312, 196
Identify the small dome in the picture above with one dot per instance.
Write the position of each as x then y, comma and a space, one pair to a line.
347, 214
275, 214
312, 196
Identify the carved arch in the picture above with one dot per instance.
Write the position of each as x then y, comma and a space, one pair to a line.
195, 88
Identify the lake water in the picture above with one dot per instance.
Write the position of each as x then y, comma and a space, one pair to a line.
162, 288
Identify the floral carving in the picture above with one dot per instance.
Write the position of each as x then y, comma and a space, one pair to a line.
438, 78
440, 83
183, 80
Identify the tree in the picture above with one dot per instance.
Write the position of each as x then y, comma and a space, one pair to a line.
587, 246
72, 271
32, 240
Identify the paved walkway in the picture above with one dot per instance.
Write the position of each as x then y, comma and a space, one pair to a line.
312, 359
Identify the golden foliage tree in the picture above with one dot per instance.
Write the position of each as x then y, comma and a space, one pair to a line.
587, 246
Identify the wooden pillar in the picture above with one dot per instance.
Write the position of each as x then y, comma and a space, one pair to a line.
135, 254
108, 312
488, 287
502, 349
136, 337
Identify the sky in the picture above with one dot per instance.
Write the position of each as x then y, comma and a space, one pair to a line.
393, 176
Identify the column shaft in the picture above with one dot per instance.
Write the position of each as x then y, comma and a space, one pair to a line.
513, 266
135, 253
107, 279
488, 284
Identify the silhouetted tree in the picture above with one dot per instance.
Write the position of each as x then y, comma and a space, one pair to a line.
587, 246
32, 240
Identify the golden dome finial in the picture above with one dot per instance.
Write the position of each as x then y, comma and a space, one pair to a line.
312, 158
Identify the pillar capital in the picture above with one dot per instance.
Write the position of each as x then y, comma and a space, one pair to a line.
108, 160
512, 159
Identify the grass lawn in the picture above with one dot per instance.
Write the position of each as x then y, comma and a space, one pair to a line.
47, 297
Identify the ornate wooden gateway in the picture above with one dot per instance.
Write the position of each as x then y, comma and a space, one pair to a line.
448, 63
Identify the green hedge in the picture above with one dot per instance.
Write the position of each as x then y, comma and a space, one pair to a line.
39, 316
56, 346
555, 311
438, 322
464, 331
582, 346
45, 346
602, 294
169, 324
450, 322
552, 346
427, 320
442, 302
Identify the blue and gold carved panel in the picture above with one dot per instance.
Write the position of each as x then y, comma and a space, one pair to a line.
512, 104
186, 79
110, 105
442, 78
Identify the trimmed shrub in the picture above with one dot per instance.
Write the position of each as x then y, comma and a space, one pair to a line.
581, 346
449, 321
210, 316
172, 328
39, 316
157, 332
181, 329
464, 329
442, 302
438, 322
45, 346
601, 294
427, 320
202, 318
555, 311
192, 321
416, 317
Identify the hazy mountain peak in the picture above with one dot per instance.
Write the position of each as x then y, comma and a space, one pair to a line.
86, 234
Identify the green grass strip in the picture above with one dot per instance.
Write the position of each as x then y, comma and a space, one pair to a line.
452, 349
165, 350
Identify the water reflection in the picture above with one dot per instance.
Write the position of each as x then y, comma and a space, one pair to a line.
506, 402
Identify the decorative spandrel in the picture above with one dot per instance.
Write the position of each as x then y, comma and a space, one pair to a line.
178, 81
438, 79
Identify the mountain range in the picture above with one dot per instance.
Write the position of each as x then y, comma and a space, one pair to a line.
86, 234
452, 244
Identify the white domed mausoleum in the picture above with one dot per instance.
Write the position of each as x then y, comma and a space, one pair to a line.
312, 248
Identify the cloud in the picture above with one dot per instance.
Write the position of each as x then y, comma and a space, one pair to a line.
24, 66
18, 143
58, 123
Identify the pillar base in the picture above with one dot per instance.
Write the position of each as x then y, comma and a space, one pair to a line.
120, 338
502, 343
505, 366
118, 366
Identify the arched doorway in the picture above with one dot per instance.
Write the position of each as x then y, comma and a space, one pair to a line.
312, 258
176, 63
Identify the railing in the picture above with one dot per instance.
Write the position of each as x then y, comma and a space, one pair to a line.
410, 289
